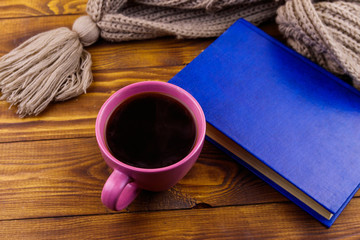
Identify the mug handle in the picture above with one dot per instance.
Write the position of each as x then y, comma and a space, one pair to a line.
118, 192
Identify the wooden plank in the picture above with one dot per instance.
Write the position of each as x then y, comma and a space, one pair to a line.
65, 177
34, 8
15, 31
76, 117
275, 221
160, 52
128, 62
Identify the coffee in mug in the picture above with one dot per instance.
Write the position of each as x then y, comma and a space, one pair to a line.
150, 133
151, 130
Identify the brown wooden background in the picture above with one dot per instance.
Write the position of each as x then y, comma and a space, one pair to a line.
52, 173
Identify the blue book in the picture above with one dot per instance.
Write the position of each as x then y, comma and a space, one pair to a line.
291, 122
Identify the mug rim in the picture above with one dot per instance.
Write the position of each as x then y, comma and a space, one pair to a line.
100, 137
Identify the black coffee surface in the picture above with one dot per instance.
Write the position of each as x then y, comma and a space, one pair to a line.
150, 130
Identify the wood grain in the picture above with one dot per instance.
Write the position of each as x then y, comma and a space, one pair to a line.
114, 64
52, 172
25, 8
270, 221
54, 177
15, 31
76, 117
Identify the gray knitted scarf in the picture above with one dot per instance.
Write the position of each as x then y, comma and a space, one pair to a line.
54, 66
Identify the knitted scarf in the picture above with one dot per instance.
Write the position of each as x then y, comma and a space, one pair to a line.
54, 66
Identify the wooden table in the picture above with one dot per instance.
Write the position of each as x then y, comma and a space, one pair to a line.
52, 173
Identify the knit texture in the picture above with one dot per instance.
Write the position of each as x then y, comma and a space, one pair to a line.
326, 32
53, 66
123, 20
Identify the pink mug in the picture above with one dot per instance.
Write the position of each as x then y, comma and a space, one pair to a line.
126, 181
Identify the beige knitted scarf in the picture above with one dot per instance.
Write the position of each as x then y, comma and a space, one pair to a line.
53, 66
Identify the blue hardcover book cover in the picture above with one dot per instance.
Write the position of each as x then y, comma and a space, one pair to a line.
285, 118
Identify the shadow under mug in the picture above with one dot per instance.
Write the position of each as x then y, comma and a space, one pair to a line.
126, 181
